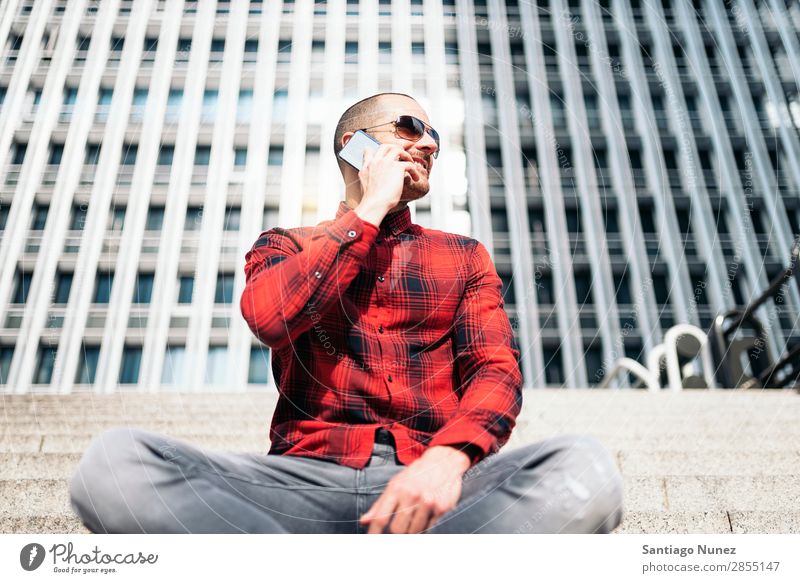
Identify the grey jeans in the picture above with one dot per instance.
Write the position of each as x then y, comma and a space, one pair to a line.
135, 481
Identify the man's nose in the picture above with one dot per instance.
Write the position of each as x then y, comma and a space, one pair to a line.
427, 143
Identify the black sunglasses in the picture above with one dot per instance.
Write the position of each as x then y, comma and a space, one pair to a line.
409, 127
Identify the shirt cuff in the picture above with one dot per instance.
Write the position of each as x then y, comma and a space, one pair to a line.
463, 430
353, 232
368, 225
474, 453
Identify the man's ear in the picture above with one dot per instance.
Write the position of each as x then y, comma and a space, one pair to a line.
346, 138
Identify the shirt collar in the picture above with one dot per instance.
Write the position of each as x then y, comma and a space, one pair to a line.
392, 223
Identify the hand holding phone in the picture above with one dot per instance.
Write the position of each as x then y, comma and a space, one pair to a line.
353, 151
383, 170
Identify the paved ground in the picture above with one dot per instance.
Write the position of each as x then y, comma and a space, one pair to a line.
698, 461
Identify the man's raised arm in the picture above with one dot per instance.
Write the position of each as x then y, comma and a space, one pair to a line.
486, 360
285, 276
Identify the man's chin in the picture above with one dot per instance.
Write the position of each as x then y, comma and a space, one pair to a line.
414, 191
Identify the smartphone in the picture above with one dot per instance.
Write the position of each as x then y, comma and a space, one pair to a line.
353, 151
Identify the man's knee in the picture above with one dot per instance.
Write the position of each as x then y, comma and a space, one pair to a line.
103, 478
592, 472
110, 449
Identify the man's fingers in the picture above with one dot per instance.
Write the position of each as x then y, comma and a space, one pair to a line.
403, 517
421, 518
381, 514
411, 167
367, 157
404, 155
433, 518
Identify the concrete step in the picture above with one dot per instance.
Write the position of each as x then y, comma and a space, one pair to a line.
612, 425
655, 438
539, 401
634, 523
38, 466
666, 441
709, 463
41, 524
45, 425
711, 493
710, 522
34, 497
646, 522
77, 443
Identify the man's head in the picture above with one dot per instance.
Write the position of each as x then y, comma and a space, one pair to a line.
384, 108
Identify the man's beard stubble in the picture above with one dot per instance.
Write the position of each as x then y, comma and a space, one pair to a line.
414, 190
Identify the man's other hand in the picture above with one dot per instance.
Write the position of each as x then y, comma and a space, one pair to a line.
415, 498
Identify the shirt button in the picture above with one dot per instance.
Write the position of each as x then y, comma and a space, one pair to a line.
380, 278
380, 329
390, 378
317, 274
351, 233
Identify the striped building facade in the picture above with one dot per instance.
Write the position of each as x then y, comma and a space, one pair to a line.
630, 165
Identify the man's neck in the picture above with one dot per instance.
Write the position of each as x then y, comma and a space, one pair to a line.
399, 207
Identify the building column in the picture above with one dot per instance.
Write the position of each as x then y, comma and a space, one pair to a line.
547, 148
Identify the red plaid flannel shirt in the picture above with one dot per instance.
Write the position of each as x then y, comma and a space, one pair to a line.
399, 327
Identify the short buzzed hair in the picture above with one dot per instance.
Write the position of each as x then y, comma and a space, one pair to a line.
360, 114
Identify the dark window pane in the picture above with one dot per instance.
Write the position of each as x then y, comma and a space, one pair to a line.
92, 154
275, 156
622, 291
544, 288
56, 152
583, 286
202, 155
129, 154
259, 365
165, 155
23, 287
155, 218
19, 153
194, 218
185, 288
552, 366
233, 217
6, 354
39, 217
102, 287
593, 357
87, 365
78, 221
63, 285
44, 365
129, 367
143, 288
224, 291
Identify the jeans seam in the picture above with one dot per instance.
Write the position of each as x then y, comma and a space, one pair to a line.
200, 467
359, 500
